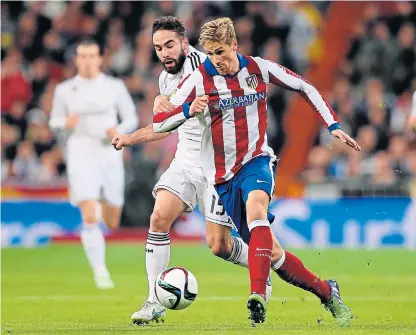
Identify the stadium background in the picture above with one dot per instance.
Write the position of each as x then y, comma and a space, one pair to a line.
361, 56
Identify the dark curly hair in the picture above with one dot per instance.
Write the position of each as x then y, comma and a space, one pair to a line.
169, 23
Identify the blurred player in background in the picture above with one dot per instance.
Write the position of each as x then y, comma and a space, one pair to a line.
227, 94
86, 107
183, 183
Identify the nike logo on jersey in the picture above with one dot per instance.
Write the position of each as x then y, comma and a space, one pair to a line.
261, 249
262, 181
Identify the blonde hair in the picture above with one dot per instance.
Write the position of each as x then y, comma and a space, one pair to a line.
220, 30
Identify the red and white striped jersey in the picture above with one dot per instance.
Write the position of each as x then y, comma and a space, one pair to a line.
235, 121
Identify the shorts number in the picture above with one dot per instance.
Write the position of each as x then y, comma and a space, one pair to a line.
217, 202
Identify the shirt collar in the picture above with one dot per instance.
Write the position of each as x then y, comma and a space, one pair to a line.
212, 71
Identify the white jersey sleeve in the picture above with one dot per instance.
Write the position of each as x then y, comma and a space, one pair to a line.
59, 112
413, 111
125, 108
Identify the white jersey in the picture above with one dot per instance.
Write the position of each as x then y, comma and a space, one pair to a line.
98, 103
95, 170
189, 145
413, 111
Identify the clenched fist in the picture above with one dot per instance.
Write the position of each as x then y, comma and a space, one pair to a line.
120, 141
162, 105
198, 105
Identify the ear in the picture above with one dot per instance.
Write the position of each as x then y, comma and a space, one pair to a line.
234, 46
185, 45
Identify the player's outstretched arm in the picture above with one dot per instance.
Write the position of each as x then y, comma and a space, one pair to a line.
185, 94
285, 78
141, 135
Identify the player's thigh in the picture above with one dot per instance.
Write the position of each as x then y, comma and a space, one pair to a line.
83, 182
176, 181
257, 188
111, 214
212, 207
168, 207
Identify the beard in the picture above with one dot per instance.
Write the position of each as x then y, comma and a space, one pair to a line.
177, 64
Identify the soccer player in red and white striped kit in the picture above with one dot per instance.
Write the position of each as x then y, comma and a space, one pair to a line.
227, 93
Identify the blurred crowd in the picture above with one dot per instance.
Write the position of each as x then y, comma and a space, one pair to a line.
373, 99
372, 95
38, 46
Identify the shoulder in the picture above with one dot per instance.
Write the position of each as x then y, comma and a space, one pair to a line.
113, 80
194, 60
66, 85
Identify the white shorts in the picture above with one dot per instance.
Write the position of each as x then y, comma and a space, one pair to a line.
189, 184
96, 175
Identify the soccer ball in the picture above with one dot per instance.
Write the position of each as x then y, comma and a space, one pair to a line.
176, 288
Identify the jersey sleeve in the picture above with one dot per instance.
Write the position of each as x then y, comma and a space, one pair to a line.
59, 112
181, 98
126, 108
289, 80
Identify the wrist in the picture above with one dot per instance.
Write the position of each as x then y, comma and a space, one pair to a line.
187, 111
333, 127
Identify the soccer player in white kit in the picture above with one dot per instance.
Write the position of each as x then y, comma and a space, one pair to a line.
86, 108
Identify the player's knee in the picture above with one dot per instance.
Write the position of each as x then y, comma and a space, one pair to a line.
257, 205
159, 223
112, 222
219, 246
277, 253
89, 216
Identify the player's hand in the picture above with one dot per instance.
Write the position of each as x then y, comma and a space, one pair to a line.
347, 139
198, 105
71, 121
120, 141
162, 104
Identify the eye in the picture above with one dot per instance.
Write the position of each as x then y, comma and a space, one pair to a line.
169, 46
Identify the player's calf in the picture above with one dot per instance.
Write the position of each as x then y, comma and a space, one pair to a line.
93, 242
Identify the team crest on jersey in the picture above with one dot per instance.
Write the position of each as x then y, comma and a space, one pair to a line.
252, 81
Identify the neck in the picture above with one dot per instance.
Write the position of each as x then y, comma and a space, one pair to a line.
234, 66
89, 76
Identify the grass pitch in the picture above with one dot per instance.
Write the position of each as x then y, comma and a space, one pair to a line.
50, 291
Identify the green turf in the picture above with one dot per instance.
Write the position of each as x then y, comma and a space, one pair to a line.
50, 291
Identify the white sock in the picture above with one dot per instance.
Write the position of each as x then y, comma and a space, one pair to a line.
239, 252
157, 258
93, 242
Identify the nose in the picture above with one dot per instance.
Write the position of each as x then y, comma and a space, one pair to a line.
165, 53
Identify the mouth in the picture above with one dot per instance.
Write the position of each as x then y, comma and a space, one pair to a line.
169, 63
